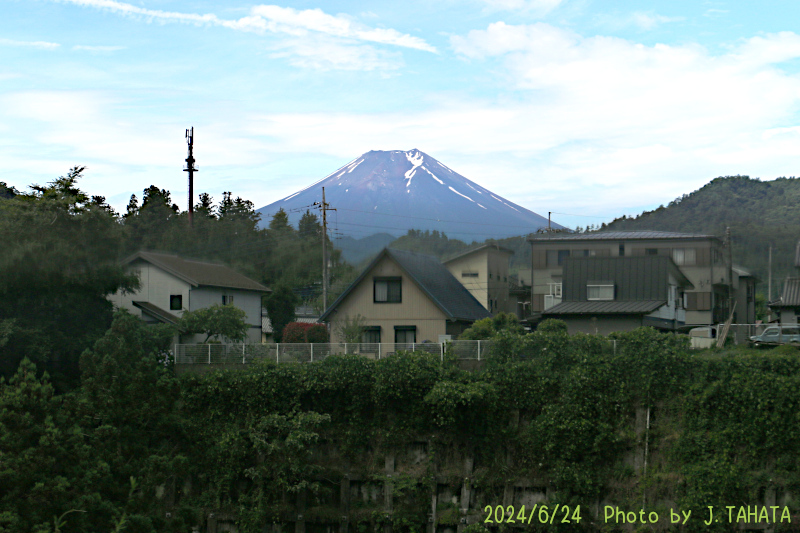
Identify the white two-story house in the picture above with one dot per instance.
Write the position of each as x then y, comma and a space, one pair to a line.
170, 285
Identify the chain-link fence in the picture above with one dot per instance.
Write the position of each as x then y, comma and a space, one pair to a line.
194, 354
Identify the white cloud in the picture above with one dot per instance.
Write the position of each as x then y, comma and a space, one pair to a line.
273, 19
44, 45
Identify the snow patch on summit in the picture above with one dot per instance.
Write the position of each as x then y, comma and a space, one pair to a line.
415, 160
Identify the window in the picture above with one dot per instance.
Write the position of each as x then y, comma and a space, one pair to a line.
227, 299
371, 334
621, 250
684, 256
175, 302
467, 274
555, 258
599, 292
651, 251
405, 334
584, 253
490, 275
387, 291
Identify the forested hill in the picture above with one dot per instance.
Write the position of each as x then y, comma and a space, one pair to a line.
759, 213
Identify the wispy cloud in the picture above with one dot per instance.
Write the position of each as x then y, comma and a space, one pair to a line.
275, 19
643, 20
324, 53
44, 45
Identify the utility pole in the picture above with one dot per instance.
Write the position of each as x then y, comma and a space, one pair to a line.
325, 207
191, 170
769, 283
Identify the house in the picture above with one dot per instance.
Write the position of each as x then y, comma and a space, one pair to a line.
484, 272
605, 294
787, 307
405, 297
170, 285
702, 259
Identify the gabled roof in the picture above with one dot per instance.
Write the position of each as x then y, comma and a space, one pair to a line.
478, 249
157, 313
615, 236
433, 278
199, 273
641, 307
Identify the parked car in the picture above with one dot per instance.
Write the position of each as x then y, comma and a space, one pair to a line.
777, 335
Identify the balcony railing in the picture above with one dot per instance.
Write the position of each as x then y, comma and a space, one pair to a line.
194, 354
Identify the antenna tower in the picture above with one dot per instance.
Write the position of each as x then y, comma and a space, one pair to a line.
191, 170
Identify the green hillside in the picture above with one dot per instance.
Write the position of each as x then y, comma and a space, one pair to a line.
759, 213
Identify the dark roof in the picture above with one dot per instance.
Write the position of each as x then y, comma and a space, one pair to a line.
642, 307
635, 278
616, 236
791, 294
157, 313
199, 273
477, 249
455, 301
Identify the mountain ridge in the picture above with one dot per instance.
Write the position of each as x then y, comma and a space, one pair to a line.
393, 191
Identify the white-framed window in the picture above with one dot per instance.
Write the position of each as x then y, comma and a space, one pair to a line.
599, 292
555, 290
684, 256
227, 299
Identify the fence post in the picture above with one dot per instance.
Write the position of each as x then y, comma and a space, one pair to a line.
312, 352
243, 353
441, 348
345, 348
209, 354
615, 345
479, 350
413, 346
277, 352
379, 349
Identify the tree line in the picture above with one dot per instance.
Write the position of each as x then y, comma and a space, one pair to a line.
62, 251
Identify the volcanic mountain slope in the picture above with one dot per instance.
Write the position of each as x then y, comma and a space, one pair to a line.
394, 191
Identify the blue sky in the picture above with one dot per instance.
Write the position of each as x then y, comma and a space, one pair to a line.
590, 109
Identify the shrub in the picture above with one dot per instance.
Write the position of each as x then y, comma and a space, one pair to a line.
317, 333
304, 332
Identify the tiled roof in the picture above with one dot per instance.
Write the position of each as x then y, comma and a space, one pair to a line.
642, 307
434, 279
616, 236
199, 273
157, 313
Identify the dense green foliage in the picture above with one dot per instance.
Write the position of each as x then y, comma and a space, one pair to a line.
62, 252
558, 409
59, 261
223, 322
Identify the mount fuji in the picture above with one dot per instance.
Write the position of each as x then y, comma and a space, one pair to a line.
394, 191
